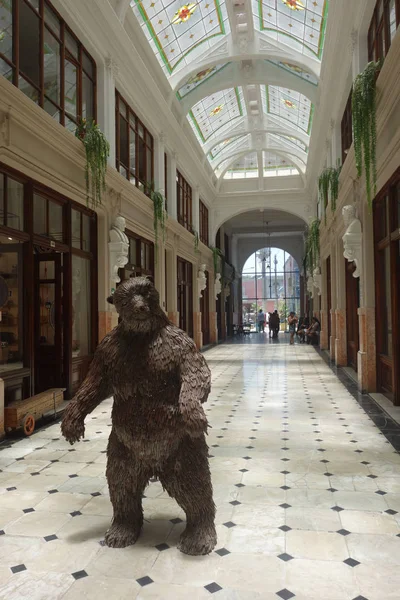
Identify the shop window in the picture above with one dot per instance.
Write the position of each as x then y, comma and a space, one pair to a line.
134, 147
203, 234
141, 258
11, 312
11, 203
81, 306
48, 218
383, 27
46, 61
347, 129
184, 201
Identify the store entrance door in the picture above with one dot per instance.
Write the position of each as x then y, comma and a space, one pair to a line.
48, 341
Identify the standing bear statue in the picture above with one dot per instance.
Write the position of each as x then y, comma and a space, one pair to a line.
159, 382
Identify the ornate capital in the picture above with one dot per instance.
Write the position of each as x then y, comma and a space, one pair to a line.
112, 66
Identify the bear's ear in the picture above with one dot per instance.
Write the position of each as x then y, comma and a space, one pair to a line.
110, 300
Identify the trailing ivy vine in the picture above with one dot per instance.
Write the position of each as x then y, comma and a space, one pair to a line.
364, 126
328, 186
311, 254
196, 242
218, 260
97, 151
159, 214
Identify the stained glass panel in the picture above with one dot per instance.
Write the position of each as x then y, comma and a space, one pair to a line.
195, 80
296, 70
288, 105
179, 33
287, 142
299, 24
216, 113
236, 145
245, 167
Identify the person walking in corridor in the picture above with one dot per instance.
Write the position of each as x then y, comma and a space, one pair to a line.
292, 320
261, 321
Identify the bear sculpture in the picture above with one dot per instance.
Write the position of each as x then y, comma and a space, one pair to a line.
159, 381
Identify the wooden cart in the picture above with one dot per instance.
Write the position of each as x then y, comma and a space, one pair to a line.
24, 413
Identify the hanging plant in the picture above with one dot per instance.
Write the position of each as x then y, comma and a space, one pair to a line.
363, 106
328, 186
218, 260
311, 253
159, 214
334, 185
97, 151
196, 242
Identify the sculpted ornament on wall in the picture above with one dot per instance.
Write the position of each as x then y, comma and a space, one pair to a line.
317, 280
118, 249
201, 279
217, 285
352, 239
310, 286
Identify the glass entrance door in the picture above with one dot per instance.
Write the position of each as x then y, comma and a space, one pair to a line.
48, 322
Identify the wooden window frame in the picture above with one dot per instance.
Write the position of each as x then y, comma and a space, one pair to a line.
184, 202
64, 55
204, 223
380, 28
133, 125
346, 130
140, 242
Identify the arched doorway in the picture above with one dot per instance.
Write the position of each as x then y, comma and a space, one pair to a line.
270, 281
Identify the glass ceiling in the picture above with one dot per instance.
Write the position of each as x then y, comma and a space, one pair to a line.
244, 167
300, 24
195, 80
288, 105
290, 143
218, 148
216, 113
296, 70
232, 150
179, 33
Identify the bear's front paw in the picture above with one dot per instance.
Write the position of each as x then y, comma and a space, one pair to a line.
73, 430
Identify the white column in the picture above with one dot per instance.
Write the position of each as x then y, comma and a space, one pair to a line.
196, 209
106, 103
159, 175
360, 52
172, 207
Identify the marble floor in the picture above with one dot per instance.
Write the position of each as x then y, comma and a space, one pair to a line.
307, 491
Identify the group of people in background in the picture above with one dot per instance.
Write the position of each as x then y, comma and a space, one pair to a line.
306, 332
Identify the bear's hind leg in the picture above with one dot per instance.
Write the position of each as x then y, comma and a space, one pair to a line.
187, 478
126, 482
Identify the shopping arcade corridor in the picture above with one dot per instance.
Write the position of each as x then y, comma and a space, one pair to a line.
307, 492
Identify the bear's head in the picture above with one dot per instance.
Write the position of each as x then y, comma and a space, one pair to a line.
137, 303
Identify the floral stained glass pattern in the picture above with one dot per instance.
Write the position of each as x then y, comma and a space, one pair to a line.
198, 78
298, 24
179, 33
288, 105
296, 70
216, 113
226, 145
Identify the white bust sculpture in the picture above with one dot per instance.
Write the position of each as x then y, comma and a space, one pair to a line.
317, 279
352, 239
118, 249
117, 231
217, 285
201, 279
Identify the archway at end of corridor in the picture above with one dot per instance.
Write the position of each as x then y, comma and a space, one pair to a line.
270, 281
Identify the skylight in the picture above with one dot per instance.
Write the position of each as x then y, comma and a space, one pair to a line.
216, 113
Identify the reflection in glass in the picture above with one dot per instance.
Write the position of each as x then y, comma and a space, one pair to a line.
55, 221
51, 51
15, 204
39, 215
76, 228
80, 306
71, 88
6, 29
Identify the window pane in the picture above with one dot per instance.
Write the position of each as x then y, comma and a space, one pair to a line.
51, 49
35, 4
11, 322
88, 64
132, 152
39, 215
149, 170
71, 90
51, 19
85, 232
142, 159
6, 24
15, 204
71, 44
76, 228
123, 142
51, 109
5, 70
81, 314
87, 98
387, 305
29, 45
56, 221
28, 90
122, 107
392, 19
